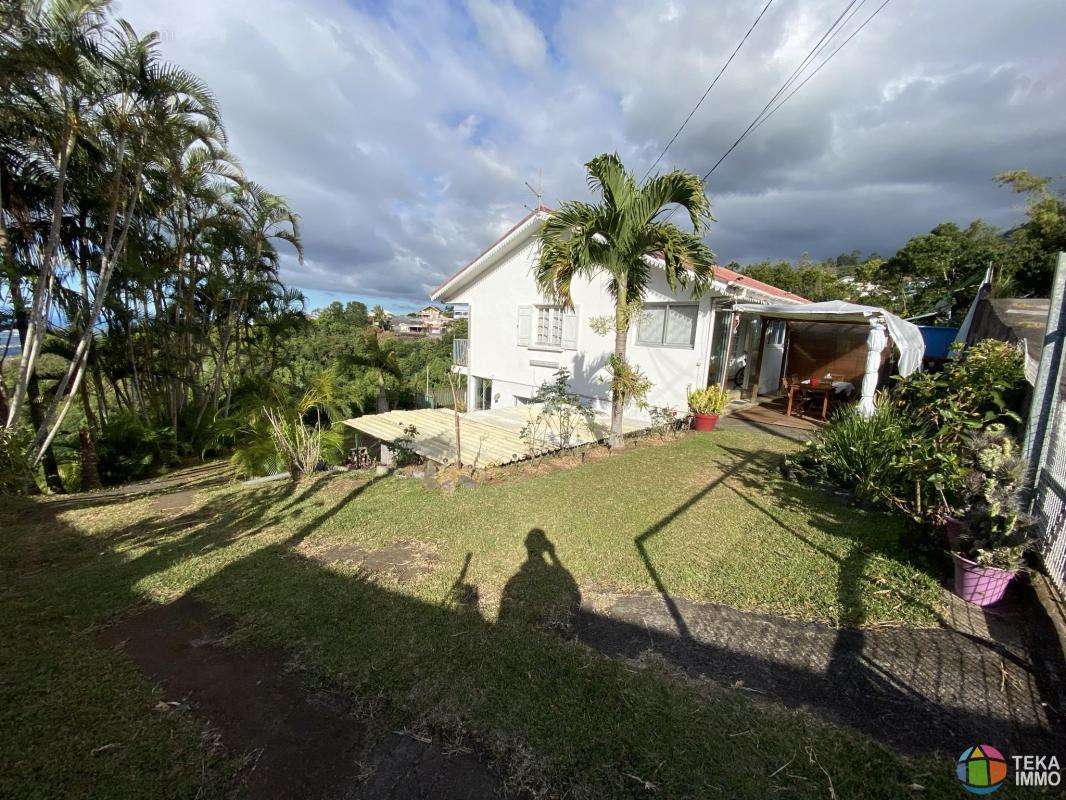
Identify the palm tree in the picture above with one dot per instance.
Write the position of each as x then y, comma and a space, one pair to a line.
379, 318
624, 237
379, 362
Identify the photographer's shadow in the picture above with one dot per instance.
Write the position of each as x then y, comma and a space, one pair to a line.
543, 593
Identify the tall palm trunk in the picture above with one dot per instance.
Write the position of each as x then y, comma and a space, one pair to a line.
621, 333
90, 475
34, 334
383, 399
76, 370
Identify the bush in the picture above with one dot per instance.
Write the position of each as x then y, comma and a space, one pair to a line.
556, 425
16, 477
130, 448
861, 456
914, 453
944, 410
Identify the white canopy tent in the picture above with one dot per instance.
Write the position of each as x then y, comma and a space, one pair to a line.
905, 336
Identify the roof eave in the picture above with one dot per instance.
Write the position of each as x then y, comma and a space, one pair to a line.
497, 249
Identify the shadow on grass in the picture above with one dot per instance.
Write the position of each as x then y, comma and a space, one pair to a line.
593, 721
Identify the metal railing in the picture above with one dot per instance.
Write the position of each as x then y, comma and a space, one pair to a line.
460, 352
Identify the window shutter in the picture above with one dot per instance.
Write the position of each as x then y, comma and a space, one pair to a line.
570, 329
525, 325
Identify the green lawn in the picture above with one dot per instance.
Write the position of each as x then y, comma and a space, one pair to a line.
707, 515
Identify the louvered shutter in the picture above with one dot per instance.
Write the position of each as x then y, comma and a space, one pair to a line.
525, 325
570, 329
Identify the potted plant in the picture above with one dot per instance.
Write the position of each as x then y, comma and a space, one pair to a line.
706, 406
989, 550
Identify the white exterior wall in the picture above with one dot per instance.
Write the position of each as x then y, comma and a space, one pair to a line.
494, 298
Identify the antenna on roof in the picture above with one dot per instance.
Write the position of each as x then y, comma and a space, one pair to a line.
538, 192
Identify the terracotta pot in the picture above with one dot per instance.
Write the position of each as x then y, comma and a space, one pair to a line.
704, 422
979, 585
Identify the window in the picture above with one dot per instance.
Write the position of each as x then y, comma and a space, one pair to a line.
547, 327
550, 326
668, 324
482, 393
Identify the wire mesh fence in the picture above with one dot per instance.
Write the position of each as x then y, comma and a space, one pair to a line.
1049, 505
1045, 437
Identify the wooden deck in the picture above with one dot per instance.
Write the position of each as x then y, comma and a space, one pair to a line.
772, 412
488, 438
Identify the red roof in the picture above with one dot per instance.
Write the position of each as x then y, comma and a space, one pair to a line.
739, 278
721, 273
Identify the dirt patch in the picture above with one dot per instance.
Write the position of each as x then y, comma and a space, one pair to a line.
404, 561
407, 768
295, 743
175, 501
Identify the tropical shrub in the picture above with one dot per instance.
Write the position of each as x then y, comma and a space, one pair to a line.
130, 448
711, 400
984, 386
295, 437
299, 446
861, 456
914, 453
16, 477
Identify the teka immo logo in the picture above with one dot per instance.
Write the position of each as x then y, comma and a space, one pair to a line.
982, 769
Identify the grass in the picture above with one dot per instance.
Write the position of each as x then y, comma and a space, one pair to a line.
707, 514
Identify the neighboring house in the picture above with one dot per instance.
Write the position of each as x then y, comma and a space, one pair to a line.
410, 325
433, 317
518, 339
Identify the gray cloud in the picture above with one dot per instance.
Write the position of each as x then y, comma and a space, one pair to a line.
404, 135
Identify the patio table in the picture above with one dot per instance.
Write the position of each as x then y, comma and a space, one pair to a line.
824, 388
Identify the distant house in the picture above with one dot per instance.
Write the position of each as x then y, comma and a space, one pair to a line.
432, 316
518, 339
407, 325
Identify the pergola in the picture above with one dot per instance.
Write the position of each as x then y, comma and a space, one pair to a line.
884, 325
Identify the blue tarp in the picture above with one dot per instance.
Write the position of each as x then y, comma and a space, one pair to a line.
937, 340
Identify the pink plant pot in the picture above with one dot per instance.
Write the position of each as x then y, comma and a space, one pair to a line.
704, 422
979, 585
953, 528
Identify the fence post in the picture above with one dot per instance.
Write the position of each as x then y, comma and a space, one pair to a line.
1046, 391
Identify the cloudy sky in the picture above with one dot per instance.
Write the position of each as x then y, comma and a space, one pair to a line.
403, 132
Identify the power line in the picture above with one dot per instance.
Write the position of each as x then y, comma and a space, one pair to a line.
784, 87
827, 60
696, 107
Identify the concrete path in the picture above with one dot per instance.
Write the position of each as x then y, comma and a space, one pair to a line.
992, 675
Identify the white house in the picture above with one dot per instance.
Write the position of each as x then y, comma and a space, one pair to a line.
518, 339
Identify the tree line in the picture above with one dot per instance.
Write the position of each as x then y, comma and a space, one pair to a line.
139, 265
934, 275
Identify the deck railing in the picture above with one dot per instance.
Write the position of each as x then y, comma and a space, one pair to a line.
460, 352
